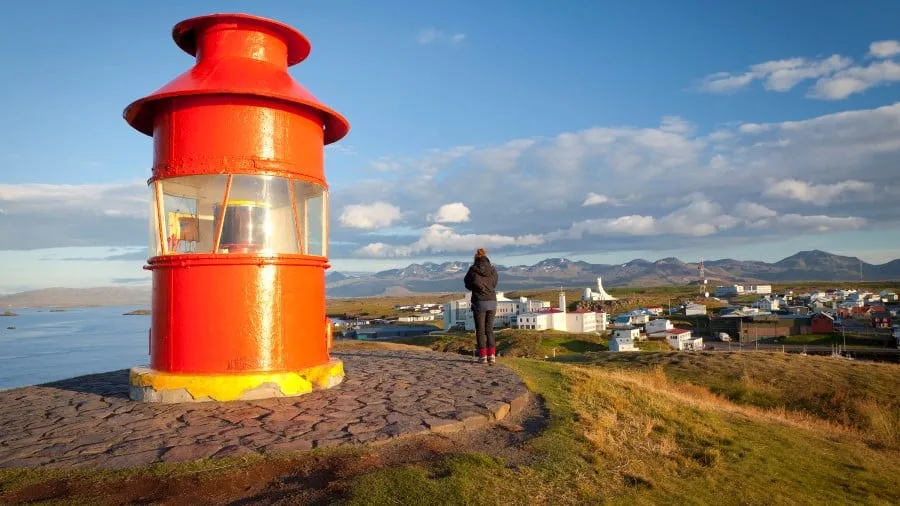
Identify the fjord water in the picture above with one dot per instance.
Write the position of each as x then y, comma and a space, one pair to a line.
49, 346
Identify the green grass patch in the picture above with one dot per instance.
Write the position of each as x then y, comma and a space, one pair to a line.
860, 395
515, 343
836, 338
636, 437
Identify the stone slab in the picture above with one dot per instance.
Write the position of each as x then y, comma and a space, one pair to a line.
89, 421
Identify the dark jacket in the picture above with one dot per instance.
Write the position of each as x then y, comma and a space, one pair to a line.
482, 281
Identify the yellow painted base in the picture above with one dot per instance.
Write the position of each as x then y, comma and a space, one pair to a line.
148, 385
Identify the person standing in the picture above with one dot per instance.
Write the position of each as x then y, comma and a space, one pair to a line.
481, 280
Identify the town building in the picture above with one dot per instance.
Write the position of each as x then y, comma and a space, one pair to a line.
583, 321
458, 313
424, 317
821, 323
681, 340
768, 304
656, 326
694, 309
632, 333
620, 344
728, 290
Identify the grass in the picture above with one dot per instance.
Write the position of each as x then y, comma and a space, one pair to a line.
829, 339
380, 307
515, 343
629, 437
856, 395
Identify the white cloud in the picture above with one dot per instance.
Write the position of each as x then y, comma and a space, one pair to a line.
752, 210
699, 218
834, 77
382, 250
665, 186
594, 199
884, 48
433, 35
776, 75
817, 194
660, 186
51, 215
842, 84
385, 165
443, 239
456, 212
113, 199
370, 216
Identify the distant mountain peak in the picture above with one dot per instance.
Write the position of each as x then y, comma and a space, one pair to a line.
429, 277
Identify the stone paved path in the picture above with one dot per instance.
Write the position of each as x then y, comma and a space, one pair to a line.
90, 422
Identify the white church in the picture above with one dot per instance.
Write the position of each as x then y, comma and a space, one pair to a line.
599, 295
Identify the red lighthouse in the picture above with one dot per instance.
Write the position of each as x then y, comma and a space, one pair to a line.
238, 219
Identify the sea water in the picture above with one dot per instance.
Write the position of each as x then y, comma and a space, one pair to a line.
48, 346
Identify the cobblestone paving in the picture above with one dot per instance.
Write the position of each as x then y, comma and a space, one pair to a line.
90, 422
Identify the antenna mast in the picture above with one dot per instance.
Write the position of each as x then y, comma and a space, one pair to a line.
703, 292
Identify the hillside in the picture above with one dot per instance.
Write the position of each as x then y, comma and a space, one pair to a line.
447, 277
73, 297
444, 278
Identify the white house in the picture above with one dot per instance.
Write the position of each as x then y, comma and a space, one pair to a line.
768, 304
888, 296
640, 319
729, 290
602, 322
656, 326
582, 321
545, 319
534, 321
425, 317
629, 333
455, 312
681, 339
694, 309
758, 289
618, 344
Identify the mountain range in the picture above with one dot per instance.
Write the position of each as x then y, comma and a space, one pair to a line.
446, 277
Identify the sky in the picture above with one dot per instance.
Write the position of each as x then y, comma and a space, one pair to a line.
598, 131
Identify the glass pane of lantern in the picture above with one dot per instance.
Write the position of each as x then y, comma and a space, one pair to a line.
315, 221
188, 204
310, 211
154, 248
259, 217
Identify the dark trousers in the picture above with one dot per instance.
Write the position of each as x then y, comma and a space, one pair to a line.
484, 332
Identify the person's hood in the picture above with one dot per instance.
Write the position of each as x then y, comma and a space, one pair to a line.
482, 266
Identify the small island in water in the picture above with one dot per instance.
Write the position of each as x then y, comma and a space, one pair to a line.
137, 312
9, 313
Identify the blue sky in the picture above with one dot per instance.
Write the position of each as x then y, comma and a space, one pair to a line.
595, 130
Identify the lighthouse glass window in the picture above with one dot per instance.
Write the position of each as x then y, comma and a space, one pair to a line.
184, 210
312, 206
258, 217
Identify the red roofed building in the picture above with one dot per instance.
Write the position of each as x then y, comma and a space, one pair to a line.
821, 323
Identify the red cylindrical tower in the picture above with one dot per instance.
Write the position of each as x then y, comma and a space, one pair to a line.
238, 218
